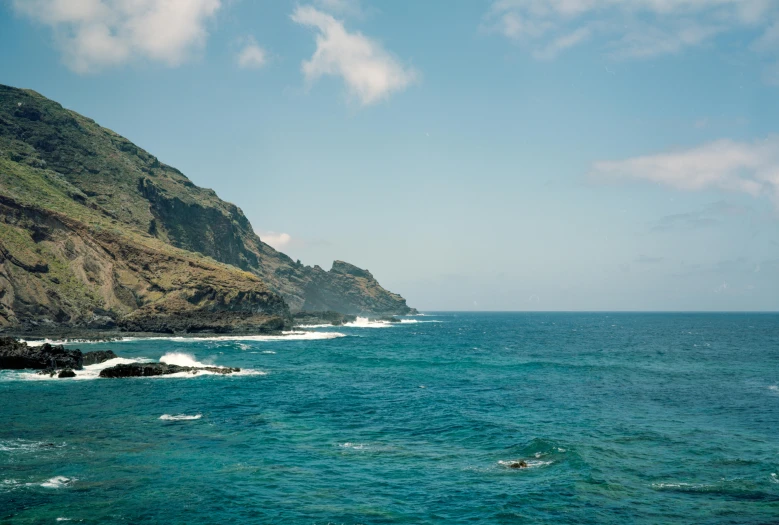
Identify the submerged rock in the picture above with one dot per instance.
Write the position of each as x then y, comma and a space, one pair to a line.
517, 464
67, 372
159, 369
17, 355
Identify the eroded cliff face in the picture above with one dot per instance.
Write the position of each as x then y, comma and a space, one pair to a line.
57, 271
123, 183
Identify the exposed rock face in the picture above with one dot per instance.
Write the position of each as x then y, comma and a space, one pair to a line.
17, 355
97, 233
98, 356
66, 373
159, 369
326, 317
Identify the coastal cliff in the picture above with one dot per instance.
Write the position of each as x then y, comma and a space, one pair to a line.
97, 233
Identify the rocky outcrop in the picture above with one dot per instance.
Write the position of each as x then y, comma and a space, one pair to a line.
159, 369
94, 228
327, 317
97, 357
67, 372
17, 355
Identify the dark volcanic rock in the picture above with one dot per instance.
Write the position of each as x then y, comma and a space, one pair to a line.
66, 373
326, 317
159, 369
16, 355
388, 319
98, 356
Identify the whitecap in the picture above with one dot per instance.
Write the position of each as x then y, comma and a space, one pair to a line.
20, 445
57, 482
268, 352
530, 463
774, 388
364, 322
353, 446
182, 359
180, 417
774, 478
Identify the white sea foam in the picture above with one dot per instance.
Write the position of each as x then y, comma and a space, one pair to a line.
182, 359
180, 417
774, 388
57, 482
530, 463
268, 352
774, 478
293, 335
353, 446
93, 371
682, 486
21, 445
364, 322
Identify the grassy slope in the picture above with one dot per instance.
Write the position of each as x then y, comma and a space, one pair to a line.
108, 174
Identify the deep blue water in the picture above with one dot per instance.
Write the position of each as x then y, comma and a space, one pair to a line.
622, 418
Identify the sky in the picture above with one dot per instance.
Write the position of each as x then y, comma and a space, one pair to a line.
472, 154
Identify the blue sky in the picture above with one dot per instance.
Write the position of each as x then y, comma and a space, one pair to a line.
496, 155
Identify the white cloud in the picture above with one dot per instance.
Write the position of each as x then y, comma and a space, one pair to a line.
276, 240
342, 7
744, 167
562, 43
94, 34
631, 28
252, 56
369, 72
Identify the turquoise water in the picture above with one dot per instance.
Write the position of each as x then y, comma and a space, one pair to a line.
622, 418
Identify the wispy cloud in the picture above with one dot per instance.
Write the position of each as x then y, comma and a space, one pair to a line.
368, 70
251, 55
646, 259
711, 215
95, 34
743, 167
631, 29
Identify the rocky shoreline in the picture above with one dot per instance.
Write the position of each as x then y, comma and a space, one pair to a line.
57, 360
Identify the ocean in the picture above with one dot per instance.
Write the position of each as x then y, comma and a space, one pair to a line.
620, 417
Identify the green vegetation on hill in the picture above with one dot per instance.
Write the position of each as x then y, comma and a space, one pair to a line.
96, 232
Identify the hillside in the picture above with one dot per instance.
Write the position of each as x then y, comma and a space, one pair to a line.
95, 231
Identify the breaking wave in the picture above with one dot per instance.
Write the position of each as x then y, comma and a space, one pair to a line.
57, 482
180, 417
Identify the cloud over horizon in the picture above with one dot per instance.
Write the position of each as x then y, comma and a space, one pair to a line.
96, 34
741, 167
369, 72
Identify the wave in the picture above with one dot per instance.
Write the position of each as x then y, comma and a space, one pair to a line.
353, 446
57, 482
21, 445
293, 335
93, 371
182, 359
774, 388
364, 322
530, 463
180, 417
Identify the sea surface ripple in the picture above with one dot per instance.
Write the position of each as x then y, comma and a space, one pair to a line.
621, 418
